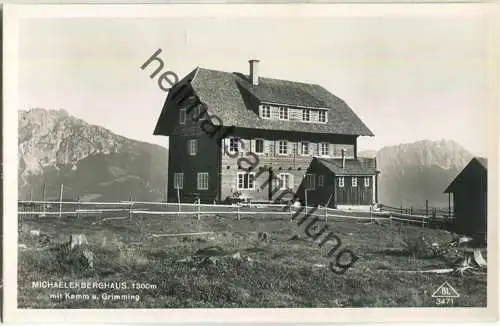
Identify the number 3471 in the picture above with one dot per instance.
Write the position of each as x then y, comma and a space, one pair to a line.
444, 301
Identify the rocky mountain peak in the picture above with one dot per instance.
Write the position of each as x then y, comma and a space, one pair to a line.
54, 138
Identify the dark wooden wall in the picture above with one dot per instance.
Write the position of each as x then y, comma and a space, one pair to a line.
470, 201
349, 195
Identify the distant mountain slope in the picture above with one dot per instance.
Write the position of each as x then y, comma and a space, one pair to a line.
412, 173
92, 162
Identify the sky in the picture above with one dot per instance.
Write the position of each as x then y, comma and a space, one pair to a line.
408, 78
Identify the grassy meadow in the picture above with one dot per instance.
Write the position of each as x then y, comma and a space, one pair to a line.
233, 266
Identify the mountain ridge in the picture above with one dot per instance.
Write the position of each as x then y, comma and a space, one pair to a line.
58, 148
412, 173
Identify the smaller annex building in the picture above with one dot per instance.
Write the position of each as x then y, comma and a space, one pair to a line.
469, 191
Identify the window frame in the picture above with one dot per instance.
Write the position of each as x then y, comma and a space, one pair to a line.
327, 149
325, 114
192, 152
289, 184
237, 140
341, 182
309, 177
176, 183
182, 114
286, 113
263, 146
367, 184
199, 177
302, 148
306, 113
285, 147
321, 180
265, 109
243, 181
354, 181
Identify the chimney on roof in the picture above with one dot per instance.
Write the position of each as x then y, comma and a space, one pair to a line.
343, 158
254, 71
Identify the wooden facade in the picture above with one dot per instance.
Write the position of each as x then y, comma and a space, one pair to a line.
469, 190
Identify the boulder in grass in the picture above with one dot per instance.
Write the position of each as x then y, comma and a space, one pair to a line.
74, 255
34, 233
77, 240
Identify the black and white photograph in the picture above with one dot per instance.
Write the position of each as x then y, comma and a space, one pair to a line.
246, 158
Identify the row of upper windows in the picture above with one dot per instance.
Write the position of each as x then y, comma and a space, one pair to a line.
259, 148
286, 113
282, 113
303, 148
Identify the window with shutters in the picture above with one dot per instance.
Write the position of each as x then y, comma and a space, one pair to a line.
354, 181
367, 181
285, 181
305, 148
234, 145
246, 181
324, 149
282, 147
259, 146
341, 182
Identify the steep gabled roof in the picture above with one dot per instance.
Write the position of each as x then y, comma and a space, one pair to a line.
232, 98
481, 161
359, 166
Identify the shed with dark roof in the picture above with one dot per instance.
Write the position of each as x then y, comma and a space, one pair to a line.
469, 191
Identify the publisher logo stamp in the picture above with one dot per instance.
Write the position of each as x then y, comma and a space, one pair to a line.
445, 294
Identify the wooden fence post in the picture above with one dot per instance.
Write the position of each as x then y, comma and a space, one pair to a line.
326, 214
401, 208
43, 200
31, 206
78, 207
178, 201
426, 207
198, 208
130, 208
238, 211
305, 198
60, 200
371, 215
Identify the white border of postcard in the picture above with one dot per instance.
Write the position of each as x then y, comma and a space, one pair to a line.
14, 13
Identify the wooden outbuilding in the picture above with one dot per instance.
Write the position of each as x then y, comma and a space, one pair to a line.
469, 191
